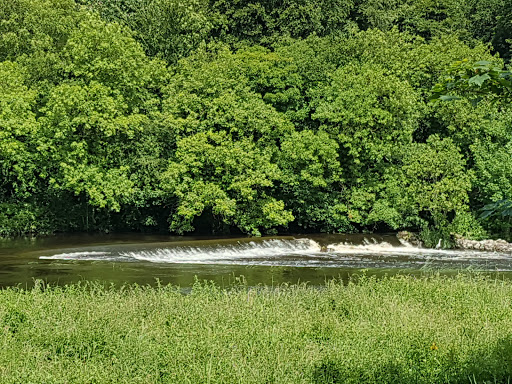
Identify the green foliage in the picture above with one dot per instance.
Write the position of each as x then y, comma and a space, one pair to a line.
30, 26
17, 123
489, 87
34, 32
215, 94
23, 218
471, 19
265, 22
368, 111
311, 181
478, 80
492, 166
107, 54
498, 216
435, 181
408, 56
169, 29
371, 115
500, 207
502, 38
91, 119
251, 116
231, 178
466, 224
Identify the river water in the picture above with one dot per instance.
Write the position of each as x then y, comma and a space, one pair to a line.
151, 259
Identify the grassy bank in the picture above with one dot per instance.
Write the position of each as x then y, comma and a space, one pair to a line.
395, 330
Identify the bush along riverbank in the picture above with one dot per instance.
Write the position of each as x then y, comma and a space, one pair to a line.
393, 330
255, 117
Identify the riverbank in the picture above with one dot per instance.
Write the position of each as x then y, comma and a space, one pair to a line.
489, 245
391, 330
456, 242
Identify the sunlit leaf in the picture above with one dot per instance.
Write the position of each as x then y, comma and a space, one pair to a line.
479, 79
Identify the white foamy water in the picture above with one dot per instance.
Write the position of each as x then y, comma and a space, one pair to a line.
294, 253
214, 253
386, 249
85, 255
219, 253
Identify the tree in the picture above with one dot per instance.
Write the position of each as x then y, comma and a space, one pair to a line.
17, 127
369, 112
168, 29
266, 22
228, 180
34, 32
312, 181
227, 141
91, 122
19, 182
477, 81
435, 180
486, 83
468, 20
503, 36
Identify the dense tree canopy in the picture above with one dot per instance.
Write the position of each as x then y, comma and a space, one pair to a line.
254, 116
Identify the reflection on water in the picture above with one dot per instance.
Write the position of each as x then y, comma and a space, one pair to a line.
146, 259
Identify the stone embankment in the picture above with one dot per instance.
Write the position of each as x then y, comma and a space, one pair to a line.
409, 238
483, 245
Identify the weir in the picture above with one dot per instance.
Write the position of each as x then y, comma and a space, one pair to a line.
300, 252
150, 259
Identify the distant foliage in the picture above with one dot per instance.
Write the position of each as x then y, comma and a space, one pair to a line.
169, 29
256, 117
270, 20
471, 19
501, 40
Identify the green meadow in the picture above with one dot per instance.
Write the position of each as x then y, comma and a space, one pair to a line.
402, 329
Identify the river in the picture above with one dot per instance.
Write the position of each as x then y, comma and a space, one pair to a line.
157, 259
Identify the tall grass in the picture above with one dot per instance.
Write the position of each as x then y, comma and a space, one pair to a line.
393, 330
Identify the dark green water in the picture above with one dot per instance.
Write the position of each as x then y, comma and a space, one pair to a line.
151, 259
